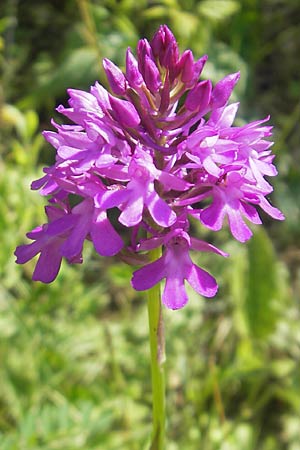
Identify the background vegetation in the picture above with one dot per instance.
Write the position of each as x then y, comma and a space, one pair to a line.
74, 371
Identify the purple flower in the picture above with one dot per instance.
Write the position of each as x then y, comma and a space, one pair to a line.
153, 152
176, 266
140, 193
48, 240
64, 235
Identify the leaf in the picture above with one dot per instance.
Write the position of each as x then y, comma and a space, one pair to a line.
262, 286
155, 12
32, 123
218, 10
80, 68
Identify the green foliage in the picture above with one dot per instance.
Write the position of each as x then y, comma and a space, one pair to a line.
218, 10
74, 355
263, 287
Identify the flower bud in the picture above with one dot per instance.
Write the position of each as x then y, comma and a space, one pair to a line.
158, 42
152, 75
164, 46
115, 76
186, 66
143, 50
125, 112
170, 60
223, 89
197, 69
133, 74
199, 97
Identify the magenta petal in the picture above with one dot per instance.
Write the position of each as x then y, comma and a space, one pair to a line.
152, 75
202, 246
37, 184
149, 244
115, 77
48, 264
250, 213
213, 216
72, 247
67, 152
186, 66
106, 240
149, 275
264, 186
125, 112
81, 99
223, 90
101, 94
237, 226
132, 214
174, 295
199, 96
160, 211
133, 74
26, 252
211, 167
36, 233
266, 167
271, 210
202, 282
62, 224
171, 181
224, 117
111, 198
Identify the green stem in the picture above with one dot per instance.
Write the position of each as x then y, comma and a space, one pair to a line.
157, 348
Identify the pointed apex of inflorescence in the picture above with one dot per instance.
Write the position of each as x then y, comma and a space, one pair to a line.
165, 48
162, 40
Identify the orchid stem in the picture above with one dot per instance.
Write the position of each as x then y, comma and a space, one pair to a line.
157, 349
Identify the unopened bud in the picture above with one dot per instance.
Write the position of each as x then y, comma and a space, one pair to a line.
152, 75
186, 66
125, 112
223, 89
143, 50
199, 97
133, 74
115, 76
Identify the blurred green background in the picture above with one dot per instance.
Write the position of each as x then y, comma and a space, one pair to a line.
74, 359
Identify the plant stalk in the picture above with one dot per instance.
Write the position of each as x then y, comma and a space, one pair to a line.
157, 349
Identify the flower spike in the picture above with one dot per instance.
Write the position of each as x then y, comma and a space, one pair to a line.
153, 149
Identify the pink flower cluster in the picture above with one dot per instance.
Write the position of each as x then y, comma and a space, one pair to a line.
153, 151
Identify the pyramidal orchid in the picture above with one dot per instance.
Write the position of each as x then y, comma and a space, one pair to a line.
153, 148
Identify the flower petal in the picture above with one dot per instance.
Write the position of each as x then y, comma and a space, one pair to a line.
48, 264
146, 277
202, 282
250, 213
237, 225
132, 214
160, 211
213, 216
26, 252
203, 246
106, 240
174, 295
72, 247
271, 210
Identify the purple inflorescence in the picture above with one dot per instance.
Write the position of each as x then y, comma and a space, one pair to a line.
154, 150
